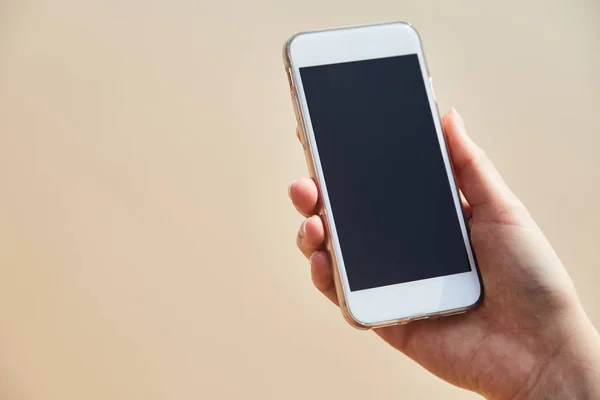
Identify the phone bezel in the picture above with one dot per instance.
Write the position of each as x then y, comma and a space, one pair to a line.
402, 302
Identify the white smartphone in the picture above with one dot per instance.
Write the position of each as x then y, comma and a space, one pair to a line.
369, 124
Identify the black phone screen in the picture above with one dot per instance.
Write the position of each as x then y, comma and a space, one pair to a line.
383, 168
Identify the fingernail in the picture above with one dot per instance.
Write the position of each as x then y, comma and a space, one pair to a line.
461, 122
303, 228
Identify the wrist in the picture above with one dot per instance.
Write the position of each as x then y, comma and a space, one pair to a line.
572, 371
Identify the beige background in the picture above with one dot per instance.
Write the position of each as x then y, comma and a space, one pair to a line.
146, 239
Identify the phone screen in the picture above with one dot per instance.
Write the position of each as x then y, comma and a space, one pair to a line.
382, 164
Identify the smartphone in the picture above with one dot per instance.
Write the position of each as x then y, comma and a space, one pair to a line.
370, 128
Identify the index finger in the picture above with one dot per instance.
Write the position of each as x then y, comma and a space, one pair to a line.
305, 196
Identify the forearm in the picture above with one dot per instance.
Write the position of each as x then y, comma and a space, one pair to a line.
574, 372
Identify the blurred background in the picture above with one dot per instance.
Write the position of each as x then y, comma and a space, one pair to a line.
147, 244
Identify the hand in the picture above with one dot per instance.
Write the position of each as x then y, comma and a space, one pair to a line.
530, 337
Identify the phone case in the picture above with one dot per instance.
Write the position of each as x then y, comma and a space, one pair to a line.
302, 134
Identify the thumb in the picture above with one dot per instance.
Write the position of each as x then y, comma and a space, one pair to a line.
478, 179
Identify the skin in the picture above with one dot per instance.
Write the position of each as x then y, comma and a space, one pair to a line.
530, 337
